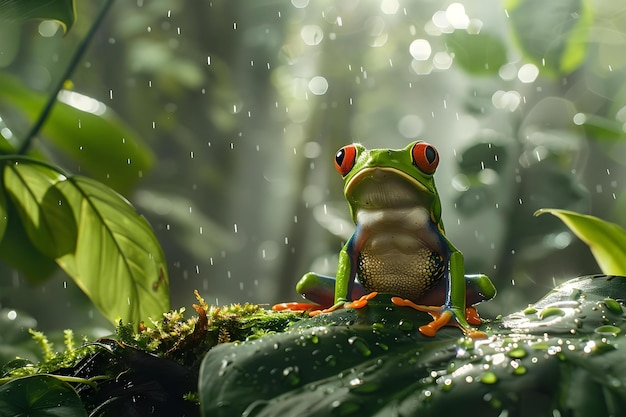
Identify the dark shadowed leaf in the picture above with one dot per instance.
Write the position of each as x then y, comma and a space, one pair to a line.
43, 210
18, 251
39, 396
484, 155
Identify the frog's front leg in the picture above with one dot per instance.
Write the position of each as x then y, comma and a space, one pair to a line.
326, 292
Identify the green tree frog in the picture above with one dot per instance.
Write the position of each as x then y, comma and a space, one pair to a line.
399, 245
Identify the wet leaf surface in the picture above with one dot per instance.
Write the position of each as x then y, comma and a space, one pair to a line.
559, 354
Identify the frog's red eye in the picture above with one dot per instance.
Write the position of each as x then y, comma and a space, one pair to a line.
344, 159
425, 157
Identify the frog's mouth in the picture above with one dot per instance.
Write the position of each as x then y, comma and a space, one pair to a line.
380, 188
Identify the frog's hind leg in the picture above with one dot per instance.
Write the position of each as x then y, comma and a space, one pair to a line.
319, 290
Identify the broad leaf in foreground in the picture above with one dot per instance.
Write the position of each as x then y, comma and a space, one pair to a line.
606, 240
118, 261
561, 356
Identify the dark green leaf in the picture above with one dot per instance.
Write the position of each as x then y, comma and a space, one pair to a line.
606, 240
39, 396
479, 54
87, 130
483, 155
20, 10
118, 261
562, 356
551, 34
45, 214
18, 251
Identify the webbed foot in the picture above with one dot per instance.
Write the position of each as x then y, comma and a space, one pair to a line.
445, 316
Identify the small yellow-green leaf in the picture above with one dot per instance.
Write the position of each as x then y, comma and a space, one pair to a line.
606, 240
62, 11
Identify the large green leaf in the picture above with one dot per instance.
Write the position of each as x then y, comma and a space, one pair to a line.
551, 34
562, 356
118, 261
88, 131
62, 11
39, 396
92, 232
606, 240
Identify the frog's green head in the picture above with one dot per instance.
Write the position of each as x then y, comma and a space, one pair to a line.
390, 178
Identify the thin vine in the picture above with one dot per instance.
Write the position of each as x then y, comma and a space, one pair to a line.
52, 99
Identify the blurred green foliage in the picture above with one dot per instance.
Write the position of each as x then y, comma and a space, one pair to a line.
244, 104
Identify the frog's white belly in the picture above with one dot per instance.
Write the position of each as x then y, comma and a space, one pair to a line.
399, 251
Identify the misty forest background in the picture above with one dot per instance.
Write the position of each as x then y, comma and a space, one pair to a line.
240, 107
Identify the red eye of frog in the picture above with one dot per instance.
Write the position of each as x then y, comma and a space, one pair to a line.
425, 157
344, 159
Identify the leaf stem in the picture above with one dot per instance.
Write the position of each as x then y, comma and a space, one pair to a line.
80, 51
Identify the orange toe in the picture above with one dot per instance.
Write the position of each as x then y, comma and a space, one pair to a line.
439, 320
362, 302
472, 317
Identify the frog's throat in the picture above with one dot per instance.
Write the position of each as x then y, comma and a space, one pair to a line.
421, 192
358, 177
